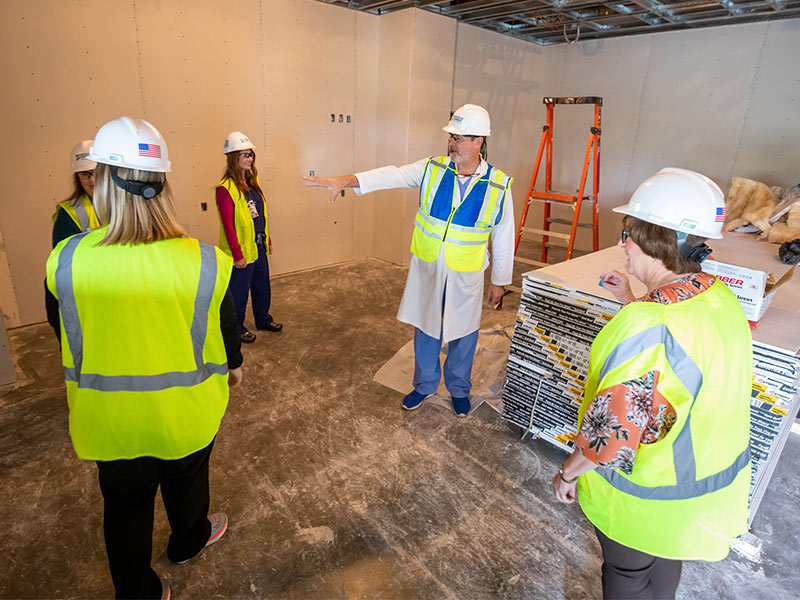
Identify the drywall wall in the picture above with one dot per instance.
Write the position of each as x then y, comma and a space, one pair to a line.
509, 78
65, 84
722, 101
415, 82
275, 69
719, 100
8, 301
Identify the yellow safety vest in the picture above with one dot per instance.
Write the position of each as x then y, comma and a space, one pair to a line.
143, 354
242, 223
81, 211
687, 496
464, 229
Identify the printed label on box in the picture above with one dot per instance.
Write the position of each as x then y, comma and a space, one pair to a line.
753, 288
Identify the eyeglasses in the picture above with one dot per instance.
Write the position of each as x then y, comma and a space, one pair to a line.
624, 237
247, 155
86, 174
460, 138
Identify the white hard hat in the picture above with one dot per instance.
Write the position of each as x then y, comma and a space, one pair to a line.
131, 143
79, 157
470, 119
679, 199
236, 140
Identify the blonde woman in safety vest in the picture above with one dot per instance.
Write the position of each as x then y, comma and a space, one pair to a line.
244, 233
661, 465
76, 213
464, 203
149, 348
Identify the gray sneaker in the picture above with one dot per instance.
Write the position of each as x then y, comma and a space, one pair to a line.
219, 525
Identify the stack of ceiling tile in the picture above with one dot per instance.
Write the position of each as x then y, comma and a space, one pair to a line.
773, 406
550, 354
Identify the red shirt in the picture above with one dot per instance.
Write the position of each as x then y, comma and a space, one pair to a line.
225, 207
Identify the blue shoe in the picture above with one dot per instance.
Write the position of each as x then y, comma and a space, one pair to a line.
413, 400
461, 406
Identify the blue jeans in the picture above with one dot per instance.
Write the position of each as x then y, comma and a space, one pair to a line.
253, 281
457, 365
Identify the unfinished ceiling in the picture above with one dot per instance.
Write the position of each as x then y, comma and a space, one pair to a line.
546, 22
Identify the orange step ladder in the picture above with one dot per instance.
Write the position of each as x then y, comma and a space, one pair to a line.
549, 197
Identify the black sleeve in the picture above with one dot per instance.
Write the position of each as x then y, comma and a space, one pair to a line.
230, 331
51, 306
64, 227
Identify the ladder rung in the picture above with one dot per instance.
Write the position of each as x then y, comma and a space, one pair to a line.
530, 261
557, 198
556, 234
514, 288
562, 197
567, 222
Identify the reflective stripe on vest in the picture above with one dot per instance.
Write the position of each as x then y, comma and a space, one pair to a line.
136, 383
687, 486
464, 229
81, 211
83, 218
687, 494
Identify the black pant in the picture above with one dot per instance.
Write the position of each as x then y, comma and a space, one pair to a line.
630, 574
129, 489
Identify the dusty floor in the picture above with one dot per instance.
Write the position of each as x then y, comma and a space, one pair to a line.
332, 490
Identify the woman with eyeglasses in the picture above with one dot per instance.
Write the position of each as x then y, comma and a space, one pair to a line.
76, 213
661, 465
244, 233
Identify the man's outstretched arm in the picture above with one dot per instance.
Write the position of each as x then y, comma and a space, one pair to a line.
334, 184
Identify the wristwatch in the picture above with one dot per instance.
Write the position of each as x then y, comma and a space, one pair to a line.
564, 479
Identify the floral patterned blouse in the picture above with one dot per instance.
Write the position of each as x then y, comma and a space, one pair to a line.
634, 412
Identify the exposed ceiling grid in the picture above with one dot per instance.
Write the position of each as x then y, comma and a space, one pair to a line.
547, 22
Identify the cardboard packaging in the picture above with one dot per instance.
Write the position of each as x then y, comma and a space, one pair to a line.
754, 289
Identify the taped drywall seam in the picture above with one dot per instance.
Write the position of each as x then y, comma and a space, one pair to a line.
264, 78
756, 68
353, 233
139, 59
455, 64
635, 139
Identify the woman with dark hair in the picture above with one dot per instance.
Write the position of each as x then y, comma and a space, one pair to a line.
76, 213
244, 233
661, 464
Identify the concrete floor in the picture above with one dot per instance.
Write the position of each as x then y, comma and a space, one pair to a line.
332, 490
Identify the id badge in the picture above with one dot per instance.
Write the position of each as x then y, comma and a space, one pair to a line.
253, 210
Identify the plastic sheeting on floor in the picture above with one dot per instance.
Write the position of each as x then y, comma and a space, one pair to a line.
488, 370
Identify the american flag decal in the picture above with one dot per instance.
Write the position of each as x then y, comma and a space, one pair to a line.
720, 218
151, 150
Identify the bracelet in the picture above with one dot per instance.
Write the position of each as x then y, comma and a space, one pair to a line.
564, 479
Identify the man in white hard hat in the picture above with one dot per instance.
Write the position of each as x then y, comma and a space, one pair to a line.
464, 202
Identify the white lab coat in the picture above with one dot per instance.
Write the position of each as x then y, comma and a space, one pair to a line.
421, 305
